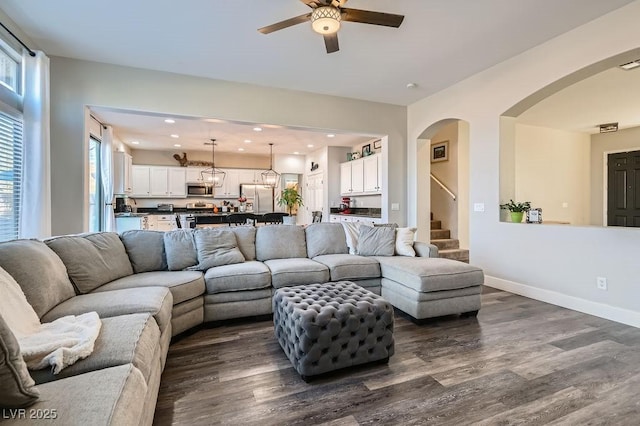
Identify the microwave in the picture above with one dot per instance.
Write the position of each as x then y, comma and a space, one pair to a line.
199, 190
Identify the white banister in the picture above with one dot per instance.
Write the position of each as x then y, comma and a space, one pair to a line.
443, 186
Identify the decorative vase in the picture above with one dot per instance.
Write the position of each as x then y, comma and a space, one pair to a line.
516, 217
242, 207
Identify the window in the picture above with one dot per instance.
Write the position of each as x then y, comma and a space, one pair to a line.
10, 174
95, 186
9, 70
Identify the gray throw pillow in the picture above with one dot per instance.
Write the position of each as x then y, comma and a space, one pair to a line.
325, 238
216, 247
246, 237
376, 241
180, 248
145, 250
92, 259
280, 242
17, 389
39, 272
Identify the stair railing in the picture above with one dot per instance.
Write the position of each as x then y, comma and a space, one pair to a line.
443, 186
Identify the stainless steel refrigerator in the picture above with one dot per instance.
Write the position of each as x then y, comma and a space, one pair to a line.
261, 197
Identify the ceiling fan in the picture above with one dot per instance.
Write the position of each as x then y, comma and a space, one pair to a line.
327, 15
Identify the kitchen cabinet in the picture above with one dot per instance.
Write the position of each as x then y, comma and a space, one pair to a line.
194, 175
122, 169
362, 176
159, 182
336, 218
372, 173
166, 222
231, 186
249, 176
352, 177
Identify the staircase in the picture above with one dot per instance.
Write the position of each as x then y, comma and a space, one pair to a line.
448, 248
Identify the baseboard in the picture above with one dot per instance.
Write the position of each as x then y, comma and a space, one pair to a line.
624, 316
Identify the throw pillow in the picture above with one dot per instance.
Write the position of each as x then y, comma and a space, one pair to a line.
145, 250
18, 389
404, 241
351, 230
180, 248
246, 237
325, 238
216, 247
376, 241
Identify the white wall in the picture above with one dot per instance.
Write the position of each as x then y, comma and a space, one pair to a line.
76, 84
552, 172
223, 159
622, 140
554, 263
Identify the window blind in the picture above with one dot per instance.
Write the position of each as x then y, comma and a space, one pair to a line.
11, 149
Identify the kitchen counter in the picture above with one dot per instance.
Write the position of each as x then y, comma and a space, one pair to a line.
360, 212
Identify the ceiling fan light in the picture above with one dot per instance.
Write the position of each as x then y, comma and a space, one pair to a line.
326, 20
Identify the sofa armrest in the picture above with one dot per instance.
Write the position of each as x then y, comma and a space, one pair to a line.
425, 249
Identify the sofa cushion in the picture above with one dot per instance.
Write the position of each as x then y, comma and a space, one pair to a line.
242, 276
246, 238
18, 388
296, 271
376, 241
112, 396
125, 339
92, 259
426, 274
180, 249
216, 247
156, 301
184, 285
280, 242
39, 272
404, 241
145, 250
325, 238
349, 266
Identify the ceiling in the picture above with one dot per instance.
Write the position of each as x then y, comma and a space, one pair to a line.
151, 132
607, 97
440, 42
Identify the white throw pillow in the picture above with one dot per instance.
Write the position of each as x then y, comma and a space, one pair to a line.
352, 230
404, 241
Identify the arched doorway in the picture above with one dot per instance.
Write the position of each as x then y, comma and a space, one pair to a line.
443, 185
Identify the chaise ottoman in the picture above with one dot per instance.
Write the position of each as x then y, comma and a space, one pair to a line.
326, 327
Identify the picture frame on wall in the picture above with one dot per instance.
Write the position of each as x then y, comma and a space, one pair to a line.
377, 144
440, 151
366, 150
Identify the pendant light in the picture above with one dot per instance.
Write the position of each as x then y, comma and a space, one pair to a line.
213, 176
270, 178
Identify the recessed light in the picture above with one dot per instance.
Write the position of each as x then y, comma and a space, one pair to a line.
240, 149
247, 141
169, 121
631, 65
177, 145
310, 146
135, 143
411, 85
331, 135
296, 153
175, 136
257, 129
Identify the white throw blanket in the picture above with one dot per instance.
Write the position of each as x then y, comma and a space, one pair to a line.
57, 344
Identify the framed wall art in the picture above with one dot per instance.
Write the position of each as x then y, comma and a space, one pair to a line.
377, 144
366, 150
534, 215
440, 151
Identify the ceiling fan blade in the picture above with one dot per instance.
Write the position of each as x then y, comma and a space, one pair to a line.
331, 42
369, 17
285, 24
312, 3
338, 3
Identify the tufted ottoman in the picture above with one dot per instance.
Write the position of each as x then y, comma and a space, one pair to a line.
325, 327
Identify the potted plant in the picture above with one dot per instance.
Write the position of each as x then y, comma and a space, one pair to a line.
516, 209
290, 197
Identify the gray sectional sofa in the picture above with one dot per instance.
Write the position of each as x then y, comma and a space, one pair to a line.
148, 286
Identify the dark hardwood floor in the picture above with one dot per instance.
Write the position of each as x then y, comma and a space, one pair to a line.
519, 362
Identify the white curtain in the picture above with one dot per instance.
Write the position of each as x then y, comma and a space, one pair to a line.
35, 211
106, 175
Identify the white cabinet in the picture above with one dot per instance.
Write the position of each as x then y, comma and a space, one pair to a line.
231, 186
343, 218
372, 173
362, 176
159, 182
140, 183
194, 174
352, 177
166, 222
249, 176
122, 169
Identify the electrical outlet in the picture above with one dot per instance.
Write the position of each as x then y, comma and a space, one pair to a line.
478, 207
395, 206
601, 283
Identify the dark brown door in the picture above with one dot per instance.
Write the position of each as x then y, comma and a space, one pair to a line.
623, 193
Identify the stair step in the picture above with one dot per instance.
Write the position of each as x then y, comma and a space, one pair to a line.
446, 243
461, 255
439, 234
436, 224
